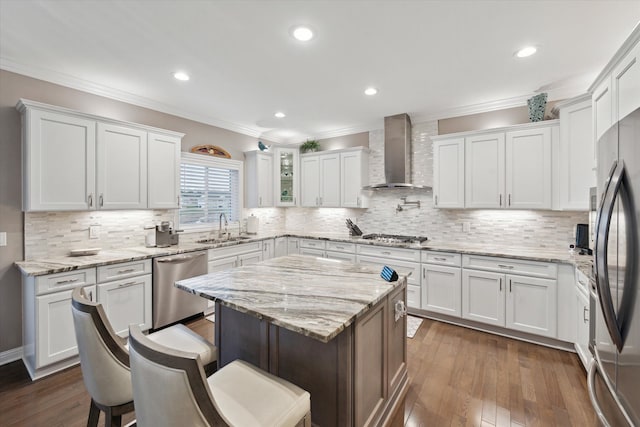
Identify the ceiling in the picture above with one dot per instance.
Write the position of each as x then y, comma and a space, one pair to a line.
431, 59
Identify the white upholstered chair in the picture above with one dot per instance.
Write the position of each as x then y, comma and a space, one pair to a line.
170, 388
104, 358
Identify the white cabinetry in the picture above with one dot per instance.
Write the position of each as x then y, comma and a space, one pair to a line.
259, 179
582, 324
286, 176
268, 248
310, 180
602, 114
354, 174
328, 249
576, 152
163, 171
441, 283
280, 247
121, 167
77, 161
124, 290
448, 173
484, 170
293, 245
517, 294
234, 256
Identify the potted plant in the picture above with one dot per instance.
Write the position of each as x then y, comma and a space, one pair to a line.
310, 146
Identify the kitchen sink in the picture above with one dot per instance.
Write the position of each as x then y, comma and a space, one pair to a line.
222, 240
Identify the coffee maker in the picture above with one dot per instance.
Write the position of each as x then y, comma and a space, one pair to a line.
582, 239
166, 235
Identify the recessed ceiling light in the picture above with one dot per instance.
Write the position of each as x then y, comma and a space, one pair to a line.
181, 75
304, 34
526, 51
280, 114
370, 91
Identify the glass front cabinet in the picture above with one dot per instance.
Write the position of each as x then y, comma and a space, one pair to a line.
286, 176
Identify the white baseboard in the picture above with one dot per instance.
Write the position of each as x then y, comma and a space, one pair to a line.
10, 355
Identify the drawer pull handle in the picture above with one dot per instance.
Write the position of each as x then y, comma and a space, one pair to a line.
509, 285
505, 266
339, 247
128, 270
62, 282
501, 284
386, 253
585, 314
126, 285
439, 259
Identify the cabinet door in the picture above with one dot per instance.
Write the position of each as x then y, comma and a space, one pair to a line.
626, 84
484, 171
127, 301
163, 171
330, 180
354, 175
310, 180
528, 169
483, 296
286, 176
582, 323
250, 258
602, 109
121, 168
531, 305
56, 339
442, 289
576, 156
60, 157
448, 173
222, 264
265, 180
268, 249
280, 248
293, 245
397, 359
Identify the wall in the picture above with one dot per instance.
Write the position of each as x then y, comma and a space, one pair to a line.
355, 140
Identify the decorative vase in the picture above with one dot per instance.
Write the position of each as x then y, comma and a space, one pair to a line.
537, 104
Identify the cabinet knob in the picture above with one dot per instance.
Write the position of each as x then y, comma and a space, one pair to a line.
509, 199
500, 199
90, 200
101, 200
436, 200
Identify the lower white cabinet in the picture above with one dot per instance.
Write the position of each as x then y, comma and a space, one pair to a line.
442, 289
280, 247
328, 249
268, 248
531, 305
483, 297
582, 323
235, 256
293, 245
127, 301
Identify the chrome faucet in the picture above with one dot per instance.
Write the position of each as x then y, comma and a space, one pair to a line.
226, 223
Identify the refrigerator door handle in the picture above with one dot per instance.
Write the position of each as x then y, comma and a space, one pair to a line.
591, 385
602, 240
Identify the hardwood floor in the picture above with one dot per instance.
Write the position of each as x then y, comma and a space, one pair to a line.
459, 377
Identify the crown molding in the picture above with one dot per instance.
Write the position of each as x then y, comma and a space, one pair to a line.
118, 95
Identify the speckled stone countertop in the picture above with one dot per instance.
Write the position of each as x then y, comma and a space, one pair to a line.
68, 263
312, 296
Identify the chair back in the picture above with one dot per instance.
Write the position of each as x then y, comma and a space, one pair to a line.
104, 359
169, 386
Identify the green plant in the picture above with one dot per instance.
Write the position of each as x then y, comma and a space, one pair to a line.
312, 145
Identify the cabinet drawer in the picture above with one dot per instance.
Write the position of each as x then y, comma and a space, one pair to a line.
312, 252
341, 247
511, 266
67, 280
413, 296
312, 244
442, 258
341, 256
239, 249
123, 270
387, 252
403, 268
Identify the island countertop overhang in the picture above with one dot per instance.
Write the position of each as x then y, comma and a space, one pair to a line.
315, 297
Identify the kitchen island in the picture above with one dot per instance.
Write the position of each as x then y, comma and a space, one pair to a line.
334, 328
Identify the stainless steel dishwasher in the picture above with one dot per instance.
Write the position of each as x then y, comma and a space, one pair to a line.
171, 304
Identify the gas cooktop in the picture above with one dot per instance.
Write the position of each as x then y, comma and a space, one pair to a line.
395, 238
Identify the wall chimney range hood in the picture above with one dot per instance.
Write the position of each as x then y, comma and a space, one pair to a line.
397, 154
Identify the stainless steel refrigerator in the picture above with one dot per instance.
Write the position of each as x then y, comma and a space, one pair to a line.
614, 373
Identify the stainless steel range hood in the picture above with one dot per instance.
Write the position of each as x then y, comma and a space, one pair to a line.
397, 154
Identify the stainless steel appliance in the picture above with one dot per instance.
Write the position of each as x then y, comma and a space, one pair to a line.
395, 238
166, 235
171, 304
614, 373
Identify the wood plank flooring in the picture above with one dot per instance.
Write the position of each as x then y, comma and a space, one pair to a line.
459, 377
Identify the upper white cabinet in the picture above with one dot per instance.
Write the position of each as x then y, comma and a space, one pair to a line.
334, 178
575, 166
448, 173
354, 173
286, 176
496, 169
76, 161
602, 114
259, 178
163, 170
626, 84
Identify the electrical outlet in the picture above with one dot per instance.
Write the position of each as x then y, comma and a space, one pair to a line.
94, 231
3, 238
466, 227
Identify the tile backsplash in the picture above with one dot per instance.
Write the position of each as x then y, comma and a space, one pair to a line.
50, 234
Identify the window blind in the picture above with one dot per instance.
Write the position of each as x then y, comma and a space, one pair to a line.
206, 192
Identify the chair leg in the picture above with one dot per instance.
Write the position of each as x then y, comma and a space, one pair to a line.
307, 419
94, 415
112, 419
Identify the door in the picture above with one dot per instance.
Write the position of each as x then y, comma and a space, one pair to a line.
353, 177
127, 301
56, 339
582, 327
60, 169
293, 245
602, 114
310, 180
448, 173
528, 169
397, 360
286, 176
330, 180
442, 289
531, 305
265, 180
626, 84
483, 297
484, 171
280, 247
268, 249
122, 167
250, 258
163, 171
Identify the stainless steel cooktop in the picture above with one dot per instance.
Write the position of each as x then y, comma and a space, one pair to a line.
395, 238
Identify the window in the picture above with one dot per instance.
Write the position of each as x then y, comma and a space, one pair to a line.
209, 186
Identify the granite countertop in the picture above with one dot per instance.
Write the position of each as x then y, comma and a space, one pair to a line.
68, 263
312, 296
